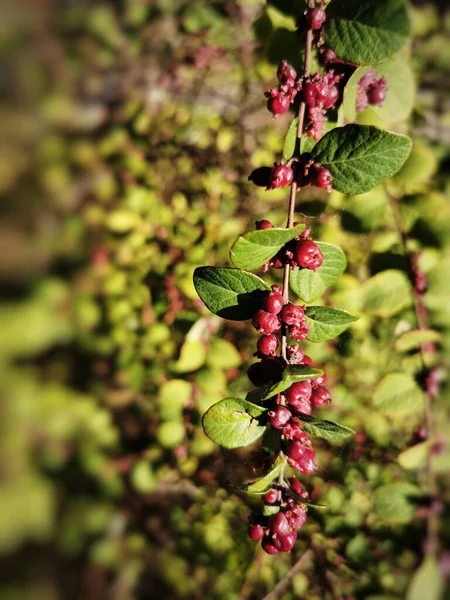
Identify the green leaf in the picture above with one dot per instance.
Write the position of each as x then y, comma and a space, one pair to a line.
399, 99
414, 339
269, 510
413, 458
290, 139
310, 285
325, 429
289, 492
391, 502
427, 582
291, 374
359, 157
386, 293
366, 32
223, 354
263, 485
192, 357
233, 423
398, 393
229, 293
253, 249
326, 323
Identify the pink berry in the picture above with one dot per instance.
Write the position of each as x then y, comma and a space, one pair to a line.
279, 417
280, 176
300, 331
331, 98
279, 105
377, 95
267, 345
368, 79
318, 381
267, 545
316, 17
264, 224
277, 288
295, 449
320, 396
255, 531
287, 541
272, 302
286, 72
278, 524
277, 261
295, 485
295, 354
271, 497
292, 314
300, 390
315, 93
321, 178
265, 322
307, 361
302, 457
308, 255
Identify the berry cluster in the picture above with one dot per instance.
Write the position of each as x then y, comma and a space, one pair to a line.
370, 90
283, 515
320, 93
299, 252
303, 171
279, 100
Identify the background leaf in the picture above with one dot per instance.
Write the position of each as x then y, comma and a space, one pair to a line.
326, 323
253, 249
427, 581
366, 32
229, 293
233, 423
359, 157
398, 393
310, 285
415, 338
392, 502
386, 293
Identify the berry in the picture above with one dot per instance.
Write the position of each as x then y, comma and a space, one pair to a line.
368, 79
321, 178
320, 396
280, 176
255, 531
298, 517
279, 105
286, 72
315, 93
377, 95
318, 381
300, 331
295, 354
267, 345
286, 542
300, 390
307, 361
264, 224
331, 97
308, 255
316, 17
272, 302
301, 407
295, 485
265, 322
278, 524
260, 176
267, 545
301, 457
271, 497
277, 261
277, 288
279, 417
292, 314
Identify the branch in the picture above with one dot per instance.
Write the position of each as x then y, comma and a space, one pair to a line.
280, 589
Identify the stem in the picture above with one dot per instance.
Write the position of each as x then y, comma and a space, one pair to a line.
432, 519
280, 589
291, 210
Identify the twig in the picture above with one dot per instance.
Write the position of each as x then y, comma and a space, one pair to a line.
284, 583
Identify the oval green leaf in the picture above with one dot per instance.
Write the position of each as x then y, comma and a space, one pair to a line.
326, 323
310, 285
392, 502
398, 393
359, 157
263, 485
328, 430
427, 582
253, 249
414, 339
413, 458
229, 293
386, 293
366, 32
290, 139
234, 423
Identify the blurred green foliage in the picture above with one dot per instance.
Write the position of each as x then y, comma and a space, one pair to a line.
128, 131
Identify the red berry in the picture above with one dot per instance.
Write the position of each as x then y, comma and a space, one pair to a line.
255, 531
315, 93
286, 72
300, 390
316, 17
308, 255
277, 261
277, 288
292, 314
318, 381
320, 396
331, 98
295, 449
307, 361
265, 322
272, 302
280, 176
295, 485
377, 95
279, 105
267, 545
267, 345
271, 497
295, 354
298, 517
287, 542
302, 457
264, 224
302, 407
278, 524
321, 178
300, 331
279, 417
368, 79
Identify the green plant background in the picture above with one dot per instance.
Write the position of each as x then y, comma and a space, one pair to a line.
123, 166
